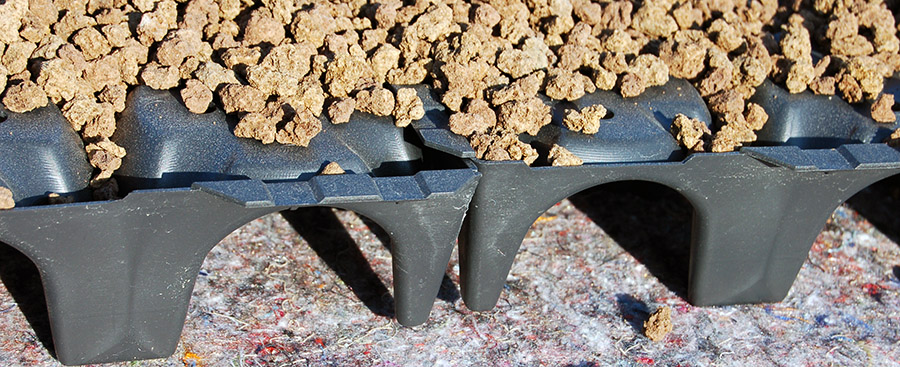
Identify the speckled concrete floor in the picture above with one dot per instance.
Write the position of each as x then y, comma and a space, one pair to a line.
588, 273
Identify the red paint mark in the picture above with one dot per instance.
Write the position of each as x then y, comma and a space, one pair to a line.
872, 289
419, 345
320, 342
646, 360
563, 233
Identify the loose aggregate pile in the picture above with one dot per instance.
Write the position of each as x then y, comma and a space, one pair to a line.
278, 65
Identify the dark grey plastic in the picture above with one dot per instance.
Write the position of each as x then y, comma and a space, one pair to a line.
756, 212
118, 275
42, 154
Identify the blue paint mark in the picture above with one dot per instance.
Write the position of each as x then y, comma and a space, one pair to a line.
203, 273
820, 320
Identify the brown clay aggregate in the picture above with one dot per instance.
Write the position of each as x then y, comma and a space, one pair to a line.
658, 324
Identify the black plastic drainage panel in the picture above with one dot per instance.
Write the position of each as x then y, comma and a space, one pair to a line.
118, 275
756, 212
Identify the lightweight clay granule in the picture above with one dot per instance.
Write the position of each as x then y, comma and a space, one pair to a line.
15, 58
103, 125
659, 324
894, 139
690, 133
408, 107
241, 98
341, 109
24, 97
519, 90
332, 168
587, 120
300, 130
560, 156
377, 101
524, 116
478, 118
850, 89
80, 110
6, 198
196, 96
882, 109
565, 85
256, 125
631, 85
106, 156
160, 77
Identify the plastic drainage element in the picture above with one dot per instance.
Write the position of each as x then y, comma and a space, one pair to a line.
42, 155
756, 212
118, 275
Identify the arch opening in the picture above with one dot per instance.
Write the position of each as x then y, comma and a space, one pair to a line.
880, 204
650, 221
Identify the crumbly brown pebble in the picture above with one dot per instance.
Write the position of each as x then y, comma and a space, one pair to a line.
409, 107
882, 109
196, 96
658, 324
340, 110
894, 139
256, 125
300, 130
560, 156
524, 116
631, 85
332, 168
377, 101
521, 89
241, 98
6, 199
105, 156
24, 97
477, 119
587, 120
690, 133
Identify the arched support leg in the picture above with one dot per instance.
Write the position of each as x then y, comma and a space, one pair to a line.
118, 276
508, 200
751, 238
423, 233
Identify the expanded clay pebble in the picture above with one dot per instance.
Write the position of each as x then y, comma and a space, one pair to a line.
6, 199
241, 98
196, 96
341, 110
332, 168
587, 120
377, 101
523, 116
882, 109
690, 133
658, 324
519, 90
24, 97
408, 107
560, 156
300, 130
478, 118
894, 139
105, 156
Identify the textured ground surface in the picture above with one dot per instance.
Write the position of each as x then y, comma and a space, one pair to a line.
588, 273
